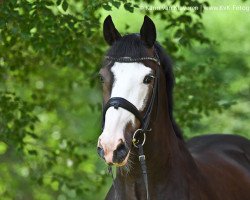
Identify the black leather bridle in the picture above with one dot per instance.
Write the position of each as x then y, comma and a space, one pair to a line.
118, 102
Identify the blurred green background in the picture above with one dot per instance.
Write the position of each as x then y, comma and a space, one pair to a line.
50, 98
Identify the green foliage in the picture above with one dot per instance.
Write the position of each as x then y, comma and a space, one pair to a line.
17, 120
50, 102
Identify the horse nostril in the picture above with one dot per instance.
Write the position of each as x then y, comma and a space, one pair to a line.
100, 151
121, 147
120, 153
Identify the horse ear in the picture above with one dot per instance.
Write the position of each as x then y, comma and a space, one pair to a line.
110, 33
148, 32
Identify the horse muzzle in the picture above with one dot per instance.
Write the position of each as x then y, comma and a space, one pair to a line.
113, 154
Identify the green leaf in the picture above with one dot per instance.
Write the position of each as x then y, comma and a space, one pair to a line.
107, 7
178, 33
117, 4
49, 3
58, 2
65, 5
3, 147
32, 152
206, 3
129, 7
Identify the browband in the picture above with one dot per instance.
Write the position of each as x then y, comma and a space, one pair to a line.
129, 59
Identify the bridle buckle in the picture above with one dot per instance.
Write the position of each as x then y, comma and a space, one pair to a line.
142, 157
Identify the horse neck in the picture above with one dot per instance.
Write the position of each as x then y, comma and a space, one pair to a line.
162, 144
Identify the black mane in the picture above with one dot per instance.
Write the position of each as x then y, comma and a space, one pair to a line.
132, 46
170, 80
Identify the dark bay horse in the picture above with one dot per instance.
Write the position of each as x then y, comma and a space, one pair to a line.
137, 81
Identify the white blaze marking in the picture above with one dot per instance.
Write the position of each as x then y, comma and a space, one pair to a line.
128, 84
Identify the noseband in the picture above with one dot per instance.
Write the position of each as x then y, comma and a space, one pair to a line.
118, 102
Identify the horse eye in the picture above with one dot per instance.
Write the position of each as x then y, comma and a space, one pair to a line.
101, 79
147, 79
